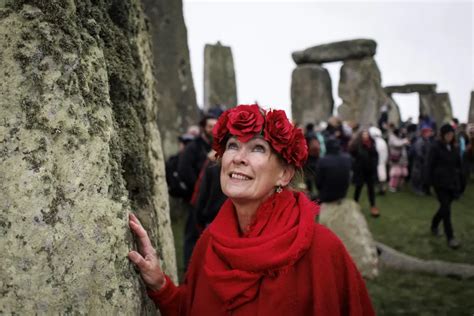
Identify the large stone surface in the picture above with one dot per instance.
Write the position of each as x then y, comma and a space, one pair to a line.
177, 108
79, 149
219, 77
437, 106
411, 88
394, 115
361, 91
337, 51
311, 94
348, 223
470, 119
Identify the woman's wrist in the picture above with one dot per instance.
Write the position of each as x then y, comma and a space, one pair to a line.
160, 286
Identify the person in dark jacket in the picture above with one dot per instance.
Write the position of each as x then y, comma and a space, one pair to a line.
365, 160
444, 165
190, 164
309, 168
333, 172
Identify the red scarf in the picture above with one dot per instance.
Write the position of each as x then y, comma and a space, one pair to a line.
281, 233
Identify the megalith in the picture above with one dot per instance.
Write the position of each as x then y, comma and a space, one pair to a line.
337, 51
360, 88
311, 94
470, 119
219, 77
346, 220
79, 150
360, 80
437, 106
177, 105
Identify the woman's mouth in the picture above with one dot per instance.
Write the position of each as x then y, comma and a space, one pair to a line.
239, 176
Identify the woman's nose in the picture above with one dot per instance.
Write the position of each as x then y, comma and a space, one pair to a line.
240, 157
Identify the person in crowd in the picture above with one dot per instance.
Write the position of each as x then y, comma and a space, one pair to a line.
365, 161
309, 168
176, 186
468, 159
263, 254
398, 159
210, 197
333, 173
420, 151
444, 165
382, 152
190, 163
335, 129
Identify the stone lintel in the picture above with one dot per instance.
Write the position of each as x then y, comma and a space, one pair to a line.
411, 88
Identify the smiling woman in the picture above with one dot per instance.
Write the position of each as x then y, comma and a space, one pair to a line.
263, 254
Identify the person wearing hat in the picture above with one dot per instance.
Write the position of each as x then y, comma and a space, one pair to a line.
263, 254
445, 174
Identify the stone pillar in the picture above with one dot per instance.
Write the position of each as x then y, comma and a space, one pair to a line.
79, 149
394, 115
470, 119
427, 101
311, 94
442, 110
219, 77
177, 108
361, 91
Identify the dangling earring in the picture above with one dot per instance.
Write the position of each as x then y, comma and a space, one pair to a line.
278, 189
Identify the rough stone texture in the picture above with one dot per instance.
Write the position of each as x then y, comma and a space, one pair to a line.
393, 259
394, 115
337, 51
347, 222
438, 106
311, 94
219, 77
79, 149
361, 91
411, 88
470, 119
174, 81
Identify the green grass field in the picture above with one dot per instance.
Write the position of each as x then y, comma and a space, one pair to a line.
404, 225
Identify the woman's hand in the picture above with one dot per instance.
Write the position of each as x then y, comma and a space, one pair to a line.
146, 259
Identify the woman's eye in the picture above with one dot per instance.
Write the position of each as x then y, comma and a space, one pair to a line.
259, 148
232, 145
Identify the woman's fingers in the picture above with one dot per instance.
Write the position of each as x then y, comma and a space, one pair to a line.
138, 260
144, 243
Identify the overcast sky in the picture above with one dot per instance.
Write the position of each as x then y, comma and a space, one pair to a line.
417, 42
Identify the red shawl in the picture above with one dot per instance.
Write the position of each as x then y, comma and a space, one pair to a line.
280, 235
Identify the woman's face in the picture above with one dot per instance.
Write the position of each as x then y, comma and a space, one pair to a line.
365, 136
448, 137
251, 171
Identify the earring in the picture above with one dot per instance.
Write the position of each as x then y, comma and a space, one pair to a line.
279, 189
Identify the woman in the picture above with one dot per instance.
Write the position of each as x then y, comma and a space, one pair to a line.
263, 254
398, 159
444, 167
365, 160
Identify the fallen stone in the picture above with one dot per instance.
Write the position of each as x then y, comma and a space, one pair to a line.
337, 51
345, 219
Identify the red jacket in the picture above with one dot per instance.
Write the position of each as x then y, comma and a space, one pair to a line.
317, 278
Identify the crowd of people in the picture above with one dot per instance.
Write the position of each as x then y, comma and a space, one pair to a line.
386, 156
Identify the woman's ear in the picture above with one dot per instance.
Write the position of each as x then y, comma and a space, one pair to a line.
287, 174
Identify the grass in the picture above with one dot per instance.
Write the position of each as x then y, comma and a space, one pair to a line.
404, 225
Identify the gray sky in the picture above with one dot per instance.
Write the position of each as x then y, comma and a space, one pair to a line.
418, 42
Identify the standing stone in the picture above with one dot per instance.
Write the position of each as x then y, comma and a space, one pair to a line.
177, 108
345, 219
219, 77
437, 106
470, 119
394, 115
442, 111
311, 94
361, 91
79, 149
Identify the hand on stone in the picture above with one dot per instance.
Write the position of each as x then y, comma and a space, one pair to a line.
146, 258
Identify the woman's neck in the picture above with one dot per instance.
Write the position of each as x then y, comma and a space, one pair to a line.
246, 214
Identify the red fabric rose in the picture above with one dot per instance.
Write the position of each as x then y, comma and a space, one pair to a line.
245, 121
297, 151
278, 130
219, 132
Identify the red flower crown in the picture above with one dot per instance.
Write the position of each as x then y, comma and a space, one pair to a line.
247, 121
